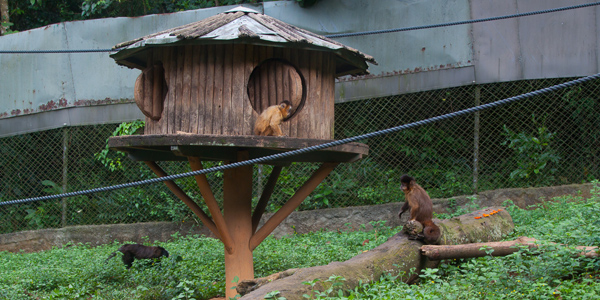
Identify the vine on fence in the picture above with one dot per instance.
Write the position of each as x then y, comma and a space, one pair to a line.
112, 159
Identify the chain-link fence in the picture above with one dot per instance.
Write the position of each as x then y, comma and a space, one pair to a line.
545, 140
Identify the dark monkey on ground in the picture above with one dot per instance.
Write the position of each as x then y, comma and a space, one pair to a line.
269, 121
137, 251
421, 208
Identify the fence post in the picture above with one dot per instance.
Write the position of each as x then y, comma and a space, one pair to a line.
65, 165
476, 140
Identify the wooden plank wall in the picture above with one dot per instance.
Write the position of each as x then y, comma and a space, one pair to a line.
207, 90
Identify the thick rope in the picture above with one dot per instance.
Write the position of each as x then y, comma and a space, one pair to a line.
314, 148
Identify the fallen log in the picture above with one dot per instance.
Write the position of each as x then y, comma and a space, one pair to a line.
439, 252
398, 255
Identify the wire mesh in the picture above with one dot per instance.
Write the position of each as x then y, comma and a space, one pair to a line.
542, 141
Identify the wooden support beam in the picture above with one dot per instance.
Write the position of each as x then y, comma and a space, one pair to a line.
264, 198
185, 198
292, 204
211, 203
237, 206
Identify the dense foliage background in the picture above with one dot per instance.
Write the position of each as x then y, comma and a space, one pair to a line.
29, 14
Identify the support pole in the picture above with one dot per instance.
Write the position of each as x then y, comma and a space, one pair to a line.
292, 204
211, 203
237, 204
185, 198
264, 198
65, 179
476, 142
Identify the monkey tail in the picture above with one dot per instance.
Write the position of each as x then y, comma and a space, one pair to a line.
111, 256
431, 232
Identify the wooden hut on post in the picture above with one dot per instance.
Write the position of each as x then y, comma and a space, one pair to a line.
215, 76
201, 89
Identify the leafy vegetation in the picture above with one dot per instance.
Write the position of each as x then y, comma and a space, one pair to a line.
534, 155
29, 14
194, 269
112, 159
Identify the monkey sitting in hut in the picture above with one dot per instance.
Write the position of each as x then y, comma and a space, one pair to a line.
269, 121
421, 211
137, 251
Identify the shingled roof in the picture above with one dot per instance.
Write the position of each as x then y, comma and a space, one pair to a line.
244, 25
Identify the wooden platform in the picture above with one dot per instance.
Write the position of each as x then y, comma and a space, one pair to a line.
178, 147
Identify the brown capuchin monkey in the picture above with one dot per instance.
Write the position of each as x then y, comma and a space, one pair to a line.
421, 208
269, 121
137, 251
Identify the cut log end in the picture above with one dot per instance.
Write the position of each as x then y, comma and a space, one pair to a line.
414, 231
247, 286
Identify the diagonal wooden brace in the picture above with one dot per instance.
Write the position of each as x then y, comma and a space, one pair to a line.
185, 198
264, 198
295, 201
211, 203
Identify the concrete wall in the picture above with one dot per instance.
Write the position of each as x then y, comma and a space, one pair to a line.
302, 222
44, 91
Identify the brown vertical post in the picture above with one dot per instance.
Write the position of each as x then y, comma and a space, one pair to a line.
237, 196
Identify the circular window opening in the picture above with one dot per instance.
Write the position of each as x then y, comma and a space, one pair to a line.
273, 81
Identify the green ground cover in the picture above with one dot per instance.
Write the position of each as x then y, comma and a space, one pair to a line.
195, 268
549, 272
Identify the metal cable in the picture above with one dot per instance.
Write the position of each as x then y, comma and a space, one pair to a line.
349, 34
314, 148
539, 12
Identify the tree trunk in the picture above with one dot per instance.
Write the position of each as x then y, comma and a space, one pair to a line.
3, 15
439, 252
397, 256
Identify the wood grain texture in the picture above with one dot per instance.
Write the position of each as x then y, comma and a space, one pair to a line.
186, 97
169, 120
228, 109
148, 91
249, 115
238, 92
209, 105
208, 89
158, 88
291, 55
179, 106
194, 89
202, 89
217, 118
